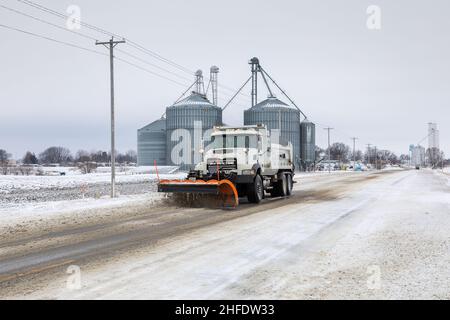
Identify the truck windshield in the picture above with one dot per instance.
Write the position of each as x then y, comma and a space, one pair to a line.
226, 141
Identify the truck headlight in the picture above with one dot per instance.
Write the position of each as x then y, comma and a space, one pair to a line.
248, 172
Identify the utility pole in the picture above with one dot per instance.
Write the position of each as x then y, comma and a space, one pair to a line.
329, 149
368, 153
376, 158
354, 156
110, 45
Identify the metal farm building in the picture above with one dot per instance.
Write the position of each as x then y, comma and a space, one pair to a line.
151, 141
307, 143
182, 118
276, 114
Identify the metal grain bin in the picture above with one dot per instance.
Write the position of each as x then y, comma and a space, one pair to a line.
276, 114
182, 117
308, 143
151, 141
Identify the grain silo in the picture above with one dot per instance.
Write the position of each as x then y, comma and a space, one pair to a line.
187, 121
151, 141
276, 114
308, 144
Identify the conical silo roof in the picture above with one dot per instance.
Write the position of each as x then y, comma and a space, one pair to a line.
271, 102
194, 99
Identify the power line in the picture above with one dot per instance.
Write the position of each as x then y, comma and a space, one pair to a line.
151, 64
149, 71
90, 50
90, 38
52, 39
159, 57
47, 22
190, 72
131, 43
108, 33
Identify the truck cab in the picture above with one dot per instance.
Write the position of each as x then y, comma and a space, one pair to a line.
247, 157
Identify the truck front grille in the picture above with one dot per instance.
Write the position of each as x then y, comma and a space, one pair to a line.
226, 164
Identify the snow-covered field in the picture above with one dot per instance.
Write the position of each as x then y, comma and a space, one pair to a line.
73, 178
26, 199
26, 214
16, 191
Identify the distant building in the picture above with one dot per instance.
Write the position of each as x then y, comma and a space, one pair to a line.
151, 141
418, 156
433, 136
433, 152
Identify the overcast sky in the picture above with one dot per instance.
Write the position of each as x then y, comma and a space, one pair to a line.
382, 86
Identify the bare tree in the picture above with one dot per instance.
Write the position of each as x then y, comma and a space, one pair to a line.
58, 155
4, 161
87, 167
359, 155
127, 158
84, 162
30, 158
100, 156
392, 157
434, 157
339, 151
82, 156
131, 156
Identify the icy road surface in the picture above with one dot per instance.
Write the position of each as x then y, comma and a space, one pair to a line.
381, 235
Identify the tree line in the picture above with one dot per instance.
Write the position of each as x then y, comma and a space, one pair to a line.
63, 156
341, 152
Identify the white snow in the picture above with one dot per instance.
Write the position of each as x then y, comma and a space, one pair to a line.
23, 212
29, 213
9, 182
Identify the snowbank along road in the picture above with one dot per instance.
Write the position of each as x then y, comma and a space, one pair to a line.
377, 235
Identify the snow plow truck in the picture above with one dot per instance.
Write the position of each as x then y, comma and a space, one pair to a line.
239, 162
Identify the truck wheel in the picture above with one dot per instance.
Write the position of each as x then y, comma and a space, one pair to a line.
255, 191
289, 184
283, 186
280, 188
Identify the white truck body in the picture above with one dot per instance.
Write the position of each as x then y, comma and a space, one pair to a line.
251, 146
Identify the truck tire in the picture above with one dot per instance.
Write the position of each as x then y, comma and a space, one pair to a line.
289, 184
280, 187
255, 192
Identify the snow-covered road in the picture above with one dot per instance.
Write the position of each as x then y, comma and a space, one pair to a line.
359, 235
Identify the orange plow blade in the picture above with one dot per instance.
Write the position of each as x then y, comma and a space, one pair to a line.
224, 190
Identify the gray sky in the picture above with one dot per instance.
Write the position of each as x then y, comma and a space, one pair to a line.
382, 86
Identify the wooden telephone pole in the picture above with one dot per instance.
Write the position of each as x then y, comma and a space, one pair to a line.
110, 45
